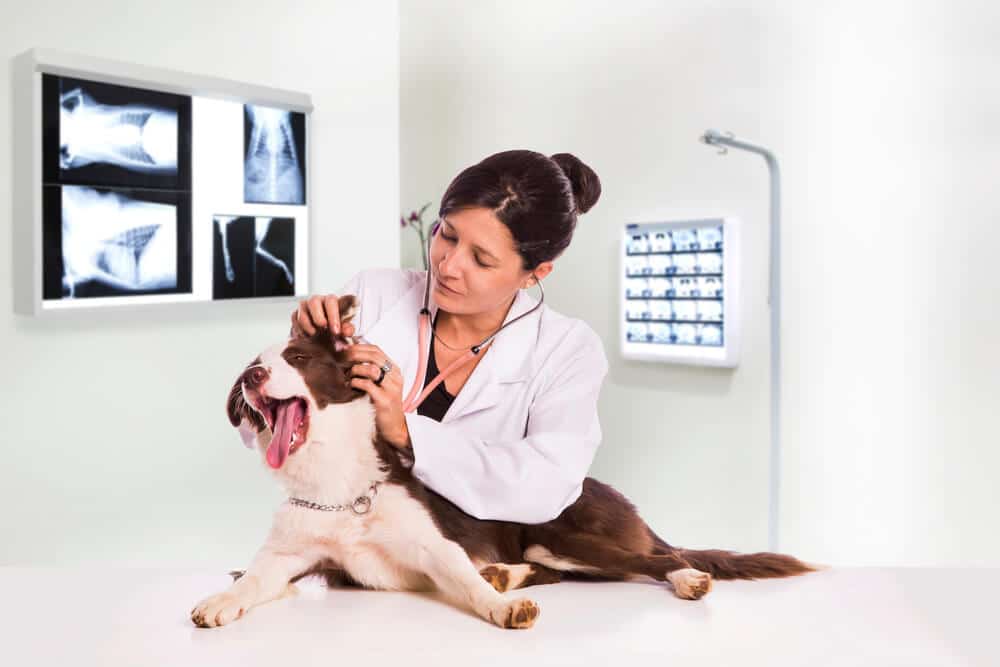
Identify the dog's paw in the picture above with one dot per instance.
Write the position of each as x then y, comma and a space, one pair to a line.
507, 576
218, 610
497, 576
690, 584
515, 614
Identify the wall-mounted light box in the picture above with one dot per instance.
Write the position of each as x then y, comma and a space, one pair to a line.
140, 187
679, 292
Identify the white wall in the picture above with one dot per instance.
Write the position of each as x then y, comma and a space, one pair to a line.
888, 131
117, 448
883, 115
883, 118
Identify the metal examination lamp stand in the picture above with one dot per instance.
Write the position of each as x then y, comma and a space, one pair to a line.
715, 138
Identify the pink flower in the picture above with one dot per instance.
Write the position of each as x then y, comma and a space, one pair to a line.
402, 221
413, 216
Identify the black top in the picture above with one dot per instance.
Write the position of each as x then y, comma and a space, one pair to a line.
439, 400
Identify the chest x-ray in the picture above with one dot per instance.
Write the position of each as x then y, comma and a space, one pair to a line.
113, 243
274, 166
253, 257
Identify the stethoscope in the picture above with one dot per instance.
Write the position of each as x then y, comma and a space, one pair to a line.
425, 325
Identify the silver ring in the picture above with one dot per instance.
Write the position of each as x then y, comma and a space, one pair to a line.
386, 367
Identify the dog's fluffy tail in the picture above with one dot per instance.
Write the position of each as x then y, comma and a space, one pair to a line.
733, 565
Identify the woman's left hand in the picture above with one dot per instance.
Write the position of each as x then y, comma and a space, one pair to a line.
387, 396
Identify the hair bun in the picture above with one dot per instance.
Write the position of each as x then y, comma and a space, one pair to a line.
586, 185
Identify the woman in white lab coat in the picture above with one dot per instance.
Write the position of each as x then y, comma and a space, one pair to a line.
510, 435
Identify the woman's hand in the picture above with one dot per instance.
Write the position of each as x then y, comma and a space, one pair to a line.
318, 312
387, 395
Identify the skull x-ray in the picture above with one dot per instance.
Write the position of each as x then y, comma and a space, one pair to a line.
101, 242
274, 170
137, 137
103, 134
254, 256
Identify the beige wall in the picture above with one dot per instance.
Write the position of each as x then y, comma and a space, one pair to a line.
116, 445
880, 115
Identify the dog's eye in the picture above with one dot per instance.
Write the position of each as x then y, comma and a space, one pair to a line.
300, 357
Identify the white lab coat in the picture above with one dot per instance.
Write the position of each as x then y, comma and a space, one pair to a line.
521, 434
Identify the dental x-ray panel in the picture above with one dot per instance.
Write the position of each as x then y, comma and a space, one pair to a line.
139, 186
254, 256
678, 292
101, 134
274, 156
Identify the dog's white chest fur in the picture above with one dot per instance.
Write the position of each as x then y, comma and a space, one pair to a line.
378, 549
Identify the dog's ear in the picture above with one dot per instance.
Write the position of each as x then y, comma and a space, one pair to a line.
237, 409
348, 307
326, 340
234, 408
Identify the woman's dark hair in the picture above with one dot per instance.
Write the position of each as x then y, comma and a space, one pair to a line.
537, 197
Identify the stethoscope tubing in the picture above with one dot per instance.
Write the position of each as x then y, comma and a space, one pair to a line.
425, 330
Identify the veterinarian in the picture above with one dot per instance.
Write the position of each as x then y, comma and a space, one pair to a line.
510, 434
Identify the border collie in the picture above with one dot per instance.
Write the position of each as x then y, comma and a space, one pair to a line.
356, 515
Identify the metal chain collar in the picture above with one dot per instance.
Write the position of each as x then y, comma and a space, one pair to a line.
361, 505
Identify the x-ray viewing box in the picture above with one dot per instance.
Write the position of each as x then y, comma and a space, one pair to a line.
136, 185
678, 292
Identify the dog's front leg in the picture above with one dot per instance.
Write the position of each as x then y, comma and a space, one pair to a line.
265, 580
456, 576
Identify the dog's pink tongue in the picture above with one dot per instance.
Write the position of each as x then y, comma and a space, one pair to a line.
286, 418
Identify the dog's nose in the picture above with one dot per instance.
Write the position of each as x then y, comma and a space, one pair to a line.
256, 376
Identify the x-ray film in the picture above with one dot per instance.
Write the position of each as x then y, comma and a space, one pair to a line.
274, 169
254, 256
101, 242
150, 197
678, 292
103, 134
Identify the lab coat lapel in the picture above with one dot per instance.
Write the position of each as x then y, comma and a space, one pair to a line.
507, 360
396, 333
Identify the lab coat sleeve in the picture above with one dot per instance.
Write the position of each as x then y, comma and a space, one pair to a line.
526, 480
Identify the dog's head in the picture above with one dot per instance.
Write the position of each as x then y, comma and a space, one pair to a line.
288, 385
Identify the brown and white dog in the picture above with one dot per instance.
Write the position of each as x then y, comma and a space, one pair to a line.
318, 436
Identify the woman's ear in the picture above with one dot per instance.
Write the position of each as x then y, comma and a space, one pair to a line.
539, 272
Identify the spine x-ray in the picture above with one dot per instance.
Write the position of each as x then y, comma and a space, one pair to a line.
253, 257
274, 169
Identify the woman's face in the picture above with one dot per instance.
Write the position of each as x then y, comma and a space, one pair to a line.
475, 266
